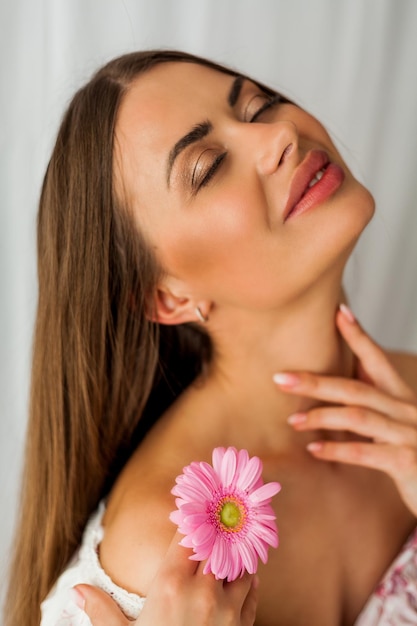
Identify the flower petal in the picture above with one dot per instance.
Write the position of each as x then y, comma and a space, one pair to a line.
186, 542
242, 459
194, 520
266, 533
202, 534
191, 492
265, 492
228, 467
205, 474
260, 546
176, 517
235, 568
248, 556
249, 474
217, 457
211, 475
207, 567
219, 558
202, 489
189, 508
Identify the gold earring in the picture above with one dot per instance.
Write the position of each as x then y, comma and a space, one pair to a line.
200, 315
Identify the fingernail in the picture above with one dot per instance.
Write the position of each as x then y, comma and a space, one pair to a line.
347, 312
315, 446
255, 582
297, 418
286, 380
77, 597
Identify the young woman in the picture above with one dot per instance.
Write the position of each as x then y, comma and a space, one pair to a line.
193, 231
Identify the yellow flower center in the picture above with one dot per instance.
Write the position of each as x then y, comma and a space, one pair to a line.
232, 515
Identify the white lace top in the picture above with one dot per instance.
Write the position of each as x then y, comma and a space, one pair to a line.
394, 602
58, 609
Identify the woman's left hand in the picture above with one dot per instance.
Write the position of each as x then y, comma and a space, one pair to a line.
379, 406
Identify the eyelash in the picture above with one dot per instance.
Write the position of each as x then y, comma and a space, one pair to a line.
273, 100
208, 175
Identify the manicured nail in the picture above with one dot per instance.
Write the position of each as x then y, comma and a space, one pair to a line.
347, 312
77, 597
315, 446
297, 418
286, 380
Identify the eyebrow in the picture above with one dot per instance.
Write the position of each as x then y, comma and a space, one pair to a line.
196, 133
199, 131
235, 90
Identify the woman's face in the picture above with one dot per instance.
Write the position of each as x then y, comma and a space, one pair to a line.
221, 180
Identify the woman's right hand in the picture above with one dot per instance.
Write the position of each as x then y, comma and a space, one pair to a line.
181, 595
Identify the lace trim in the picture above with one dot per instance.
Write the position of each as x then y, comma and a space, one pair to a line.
130, 603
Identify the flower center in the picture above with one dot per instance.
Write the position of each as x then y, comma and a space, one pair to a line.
230, 514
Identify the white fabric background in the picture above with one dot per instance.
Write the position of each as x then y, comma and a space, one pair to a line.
353, 63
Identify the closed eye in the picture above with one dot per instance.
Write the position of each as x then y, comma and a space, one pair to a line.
201, 178
270, 102
199, 181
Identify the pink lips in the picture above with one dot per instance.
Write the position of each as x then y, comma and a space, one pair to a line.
302, 197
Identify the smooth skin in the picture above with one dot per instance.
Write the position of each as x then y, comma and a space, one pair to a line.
180, 596
379, 406
270, 289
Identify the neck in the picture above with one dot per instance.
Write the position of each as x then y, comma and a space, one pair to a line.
253, 348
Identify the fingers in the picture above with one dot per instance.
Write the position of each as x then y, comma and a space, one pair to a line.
358, 420
238, 591
248, 614
338, 390
399, 462
380, 407
181, 594
176, 569
100, 608
178, 559
375, 456
387, 394
200, 600
374, 362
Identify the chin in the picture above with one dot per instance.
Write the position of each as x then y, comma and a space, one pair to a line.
359, 212
367, 203
341, 229
356, 209
363, 209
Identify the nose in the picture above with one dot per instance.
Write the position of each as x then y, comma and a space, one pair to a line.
274, 145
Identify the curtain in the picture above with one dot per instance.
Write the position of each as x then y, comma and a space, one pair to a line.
352, 63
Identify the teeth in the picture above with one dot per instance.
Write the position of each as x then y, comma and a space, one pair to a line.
316, 178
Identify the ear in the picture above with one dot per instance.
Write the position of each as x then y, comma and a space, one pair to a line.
175, 308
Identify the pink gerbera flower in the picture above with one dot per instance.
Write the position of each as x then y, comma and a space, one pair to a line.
225, 514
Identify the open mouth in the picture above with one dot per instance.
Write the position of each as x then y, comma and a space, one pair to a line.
318, 176
314, 181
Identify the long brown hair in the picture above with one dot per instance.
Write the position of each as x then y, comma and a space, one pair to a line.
102, 372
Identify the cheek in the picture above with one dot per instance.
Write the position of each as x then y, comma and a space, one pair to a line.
213, 235
223, 248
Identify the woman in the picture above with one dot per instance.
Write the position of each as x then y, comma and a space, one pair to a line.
193, 232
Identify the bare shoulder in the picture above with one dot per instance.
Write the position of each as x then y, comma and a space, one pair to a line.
406, 364
137, 534
137, 528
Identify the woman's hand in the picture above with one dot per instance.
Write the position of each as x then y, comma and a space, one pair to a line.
180, 595
379, 406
